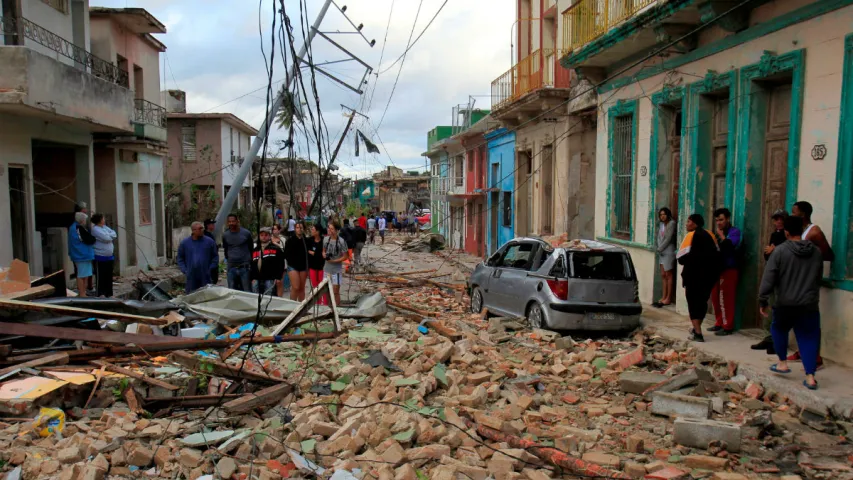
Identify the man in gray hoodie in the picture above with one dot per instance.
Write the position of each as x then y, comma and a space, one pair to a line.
794, 271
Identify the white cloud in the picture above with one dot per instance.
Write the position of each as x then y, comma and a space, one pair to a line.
214, 55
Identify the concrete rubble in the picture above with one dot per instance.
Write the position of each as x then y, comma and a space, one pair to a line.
427, 391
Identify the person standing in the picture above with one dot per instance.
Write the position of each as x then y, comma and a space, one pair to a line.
278, 239
238, 243
666, 256
296, 256
81, 251
267, 263
371, 230
209, 227
291, 226
334, 252
197, 255
362, 221
793, 272
723, 296
381, 223
316, 262
359, 237
699, 255
776, 238
413, 224
347, 233
104, 256
814, 234
84, 208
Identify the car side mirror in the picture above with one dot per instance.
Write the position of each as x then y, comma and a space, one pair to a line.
492, 261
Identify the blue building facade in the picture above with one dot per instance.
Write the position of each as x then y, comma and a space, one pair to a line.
501, 189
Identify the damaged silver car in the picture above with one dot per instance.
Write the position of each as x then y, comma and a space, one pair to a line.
582, 285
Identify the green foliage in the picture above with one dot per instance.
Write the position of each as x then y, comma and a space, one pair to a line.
121, 387
354, 209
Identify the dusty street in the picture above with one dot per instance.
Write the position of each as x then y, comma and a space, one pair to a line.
430, 390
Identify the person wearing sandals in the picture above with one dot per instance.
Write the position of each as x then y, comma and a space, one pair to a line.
699, 255
794, 272
666, 254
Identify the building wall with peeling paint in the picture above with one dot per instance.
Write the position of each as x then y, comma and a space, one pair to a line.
819, 44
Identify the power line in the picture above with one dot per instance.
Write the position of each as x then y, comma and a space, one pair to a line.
400, 70
401, 57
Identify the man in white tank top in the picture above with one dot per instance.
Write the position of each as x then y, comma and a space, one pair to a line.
814, 234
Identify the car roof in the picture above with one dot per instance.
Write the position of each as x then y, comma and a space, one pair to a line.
589, 244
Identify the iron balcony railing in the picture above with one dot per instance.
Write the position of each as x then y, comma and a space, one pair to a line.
94, 65
587, 20
538, 70
149, 113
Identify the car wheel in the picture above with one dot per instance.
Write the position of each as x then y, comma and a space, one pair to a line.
535, 316
477, 300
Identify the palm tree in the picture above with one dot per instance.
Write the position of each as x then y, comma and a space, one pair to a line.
290, 110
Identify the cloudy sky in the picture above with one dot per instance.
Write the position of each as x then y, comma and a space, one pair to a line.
214, 54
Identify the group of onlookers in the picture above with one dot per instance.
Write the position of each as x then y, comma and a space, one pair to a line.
276, 260
90, 248
794, 258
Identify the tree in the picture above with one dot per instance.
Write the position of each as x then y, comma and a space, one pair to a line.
290, 109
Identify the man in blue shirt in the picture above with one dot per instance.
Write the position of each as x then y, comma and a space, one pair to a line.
197, 255
723, 295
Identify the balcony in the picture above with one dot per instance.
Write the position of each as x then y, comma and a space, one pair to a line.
537, 72
587, 20
48, 78
598, 34
149, 120
83, 59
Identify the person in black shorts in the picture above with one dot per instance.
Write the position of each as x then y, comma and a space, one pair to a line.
700, 257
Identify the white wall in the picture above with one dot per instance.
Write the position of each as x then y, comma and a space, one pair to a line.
241, 142
16, 136
149, 169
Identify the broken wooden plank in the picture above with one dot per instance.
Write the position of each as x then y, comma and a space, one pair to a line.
136, 375
55, 358
172, 345
79, 312
233, 348
219, 369
192, 400
67, 333
132, 401
324, 285
31, 293
261, 398
416, 272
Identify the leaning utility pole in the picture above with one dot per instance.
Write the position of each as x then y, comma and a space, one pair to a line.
262, 132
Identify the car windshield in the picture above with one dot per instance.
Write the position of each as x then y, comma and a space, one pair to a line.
601, 266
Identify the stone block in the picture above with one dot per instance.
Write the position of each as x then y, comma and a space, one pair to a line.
635, 444
667, 473
564, 343
70, 455
674, 405
690, 377
226, 467
698, 433
639, 382
601, 458
729, 476
705, 462
634, 469
140, 457
190, 458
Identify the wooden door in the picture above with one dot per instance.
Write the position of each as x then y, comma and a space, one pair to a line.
547, 188
719, 143
674, 139
775, 168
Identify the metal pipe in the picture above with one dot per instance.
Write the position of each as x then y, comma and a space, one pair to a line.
244, 170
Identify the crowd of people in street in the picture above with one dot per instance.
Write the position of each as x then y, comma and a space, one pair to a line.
283, 259
790, 283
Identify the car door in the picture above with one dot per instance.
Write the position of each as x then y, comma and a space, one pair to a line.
508, 284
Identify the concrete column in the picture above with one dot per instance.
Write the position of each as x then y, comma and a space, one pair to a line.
84, 164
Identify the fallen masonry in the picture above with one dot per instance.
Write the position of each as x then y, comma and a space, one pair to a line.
395, 396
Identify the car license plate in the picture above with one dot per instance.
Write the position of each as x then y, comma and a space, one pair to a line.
604, 316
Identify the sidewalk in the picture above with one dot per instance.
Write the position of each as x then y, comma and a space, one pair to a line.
836, 382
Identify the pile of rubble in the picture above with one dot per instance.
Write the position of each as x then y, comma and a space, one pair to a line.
428, 391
